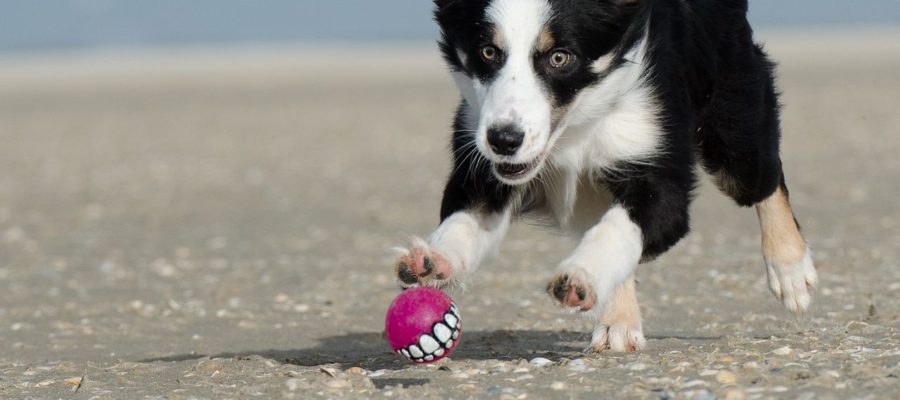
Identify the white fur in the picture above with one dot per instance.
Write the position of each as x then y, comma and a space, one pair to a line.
516, 95
467, 237
615, 120
609, 253
792, 283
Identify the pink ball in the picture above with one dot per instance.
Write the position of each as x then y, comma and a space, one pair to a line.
423, 325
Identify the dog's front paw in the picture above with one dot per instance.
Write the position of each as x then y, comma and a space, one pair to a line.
793, 284
420, 265
621, 337
573, 288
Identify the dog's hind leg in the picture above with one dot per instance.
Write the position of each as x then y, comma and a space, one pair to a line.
792, 275
619, 328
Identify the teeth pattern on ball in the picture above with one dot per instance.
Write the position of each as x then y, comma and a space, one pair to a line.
435, 344
415, 351
442, 332
428, 344
451, 320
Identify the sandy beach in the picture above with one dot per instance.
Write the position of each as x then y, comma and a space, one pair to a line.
216, 223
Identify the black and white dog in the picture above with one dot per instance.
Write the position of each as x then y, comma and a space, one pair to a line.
592, 114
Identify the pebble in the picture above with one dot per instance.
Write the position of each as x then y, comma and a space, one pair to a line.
459, 375
356, 371
735, 394
540, 361
578, 365
638, 367
726, 377
557, 385
520, 370
337, 383
292, 384
782, 351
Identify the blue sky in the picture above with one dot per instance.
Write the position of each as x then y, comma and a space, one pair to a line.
78, 24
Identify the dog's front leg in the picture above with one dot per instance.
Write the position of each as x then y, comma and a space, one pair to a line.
453, 251
598, 277
649, 217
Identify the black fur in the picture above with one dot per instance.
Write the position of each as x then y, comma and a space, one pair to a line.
715, 85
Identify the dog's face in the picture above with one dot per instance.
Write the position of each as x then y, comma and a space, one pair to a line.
521, 64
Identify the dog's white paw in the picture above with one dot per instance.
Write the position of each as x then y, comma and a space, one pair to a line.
793, 284
419, 264
622, 337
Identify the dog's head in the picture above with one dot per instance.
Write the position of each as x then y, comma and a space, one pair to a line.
520, 65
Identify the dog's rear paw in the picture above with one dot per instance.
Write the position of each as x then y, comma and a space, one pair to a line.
621, 337
793, 284
572, 288
420, 265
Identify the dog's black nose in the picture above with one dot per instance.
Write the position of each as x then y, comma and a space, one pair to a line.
505, 139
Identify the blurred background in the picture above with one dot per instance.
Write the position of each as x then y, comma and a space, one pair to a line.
87, 24
181, 178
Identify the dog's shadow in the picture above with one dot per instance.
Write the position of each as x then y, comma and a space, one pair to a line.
370, 350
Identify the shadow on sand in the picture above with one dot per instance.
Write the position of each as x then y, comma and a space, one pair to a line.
370, 351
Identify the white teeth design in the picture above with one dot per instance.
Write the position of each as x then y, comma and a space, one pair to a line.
428, 344
415, 351
436, 343
451, 320
442, 332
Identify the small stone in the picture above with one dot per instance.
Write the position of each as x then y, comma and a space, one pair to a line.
467, 387
856, 327
578, 365
735, 394
540, 361
726, 377
75, 381
355, 371
750, 366
520, 370
558, 385
337, 383
638, 367
328, 371
782, 351
459, 375
292, 384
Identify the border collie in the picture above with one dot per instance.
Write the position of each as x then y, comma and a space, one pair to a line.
591, 115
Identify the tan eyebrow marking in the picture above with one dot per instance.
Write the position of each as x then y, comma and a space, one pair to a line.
497, 38
545, 41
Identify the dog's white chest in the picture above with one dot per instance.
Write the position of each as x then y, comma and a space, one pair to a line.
574, 199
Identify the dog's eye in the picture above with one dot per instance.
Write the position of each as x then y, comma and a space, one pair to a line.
490, 53
560, 58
